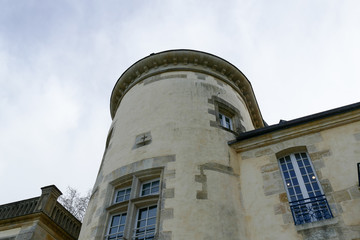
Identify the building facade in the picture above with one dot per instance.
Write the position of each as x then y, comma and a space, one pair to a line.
39, 218
188, 156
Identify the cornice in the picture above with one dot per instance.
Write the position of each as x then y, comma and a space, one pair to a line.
187, 60
296, 131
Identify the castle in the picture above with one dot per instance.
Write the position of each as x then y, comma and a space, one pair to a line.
189, 156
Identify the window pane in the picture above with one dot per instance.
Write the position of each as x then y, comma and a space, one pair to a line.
302, 184
146, 223
150, 188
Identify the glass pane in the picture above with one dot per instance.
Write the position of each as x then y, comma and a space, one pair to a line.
115, 220
141, 223
152, 211
295, 181
123, 219
151, 221
306, 162
155, 190
145, 192
142, 214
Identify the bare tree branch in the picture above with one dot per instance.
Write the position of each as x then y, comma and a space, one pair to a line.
75, 203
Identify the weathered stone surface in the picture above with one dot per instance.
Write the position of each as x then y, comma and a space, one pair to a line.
318, 155
326, 185
169, 193
352, 212
201, 195
270, 167
279, 209
341, 196
283, 197
357, 136
167, 213
355, 192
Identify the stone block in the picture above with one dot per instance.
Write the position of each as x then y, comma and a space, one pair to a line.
262, 152
351, 210
283, 198
279, 209
169, 193
200, 178
167, 213
341, 196
270, 167
325, 183
287, 218
355, 192
357, 136
201, 195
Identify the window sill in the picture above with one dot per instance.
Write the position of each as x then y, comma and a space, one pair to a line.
118, 206
321, 223
228, 130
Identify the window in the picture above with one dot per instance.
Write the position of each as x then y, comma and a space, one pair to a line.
150, 188
227, 116
306, 197
116, 227
145, 223
134, 208
225, 121
122, 195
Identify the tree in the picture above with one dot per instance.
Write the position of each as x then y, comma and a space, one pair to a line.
74, 202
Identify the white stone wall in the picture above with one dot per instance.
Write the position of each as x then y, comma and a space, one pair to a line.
200, 197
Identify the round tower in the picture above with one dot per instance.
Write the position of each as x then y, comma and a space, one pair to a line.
167, 171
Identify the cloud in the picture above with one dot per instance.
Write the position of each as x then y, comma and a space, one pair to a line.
59, 63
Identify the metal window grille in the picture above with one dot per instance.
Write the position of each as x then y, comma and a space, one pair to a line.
310, 210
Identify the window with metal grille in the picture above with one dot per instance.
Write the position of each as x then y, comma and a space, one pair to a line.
306, 197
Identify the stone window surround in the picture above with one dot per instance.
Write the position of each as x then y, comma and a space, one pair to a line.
317, 224
136, 201
227, 109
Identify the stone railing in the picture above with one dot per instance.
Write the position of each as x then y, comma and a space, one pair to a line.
46, 204
17, 209
66, 220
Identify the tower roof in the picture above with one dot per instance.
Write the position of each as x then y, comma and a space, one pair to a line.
187, 60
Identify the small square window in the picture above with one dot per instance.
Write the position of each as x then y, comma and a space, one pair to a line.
150, 188
225, 121
122, 195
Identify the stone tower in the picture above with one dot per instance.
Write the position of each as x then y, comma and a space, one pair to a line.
168, 171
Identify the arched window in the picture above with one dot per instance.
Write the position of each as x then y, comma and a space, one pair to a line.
306, 197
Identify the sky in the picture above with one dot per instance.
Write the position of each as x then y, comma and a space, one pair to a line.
59, 61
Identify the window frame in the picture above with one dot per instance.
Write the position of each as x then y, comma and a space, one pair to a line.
136, 201
134, 228
122, 189
305, 194
108, 234
223, 117
146, 182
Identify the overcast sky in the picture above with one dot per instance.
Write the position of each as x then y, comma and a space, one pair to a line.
59, 61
